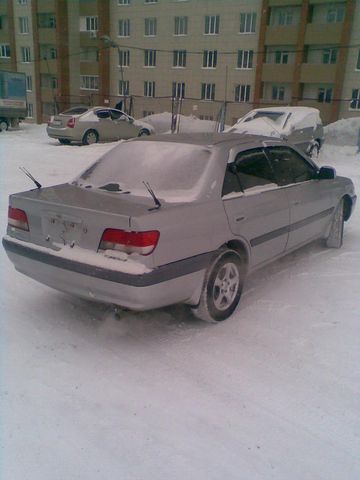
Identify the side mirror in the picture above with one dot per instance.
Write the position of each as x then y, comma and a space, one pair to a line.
327, 173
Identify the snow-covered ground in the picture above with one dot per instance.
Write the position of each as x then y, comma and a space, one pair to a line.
272, 393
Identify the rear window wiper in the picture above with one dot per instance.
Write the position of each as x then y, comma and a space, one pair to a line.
151, 191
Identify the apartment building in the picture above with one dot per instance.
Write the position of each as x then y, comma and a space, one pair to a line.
245, 53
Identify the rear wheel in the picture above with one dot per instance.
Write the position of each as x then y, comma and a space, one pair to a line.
222, 287
336, 234
64, 141
3, 125
90, 137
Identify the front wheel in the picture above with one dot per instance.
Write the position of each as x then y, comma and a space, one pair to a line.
336, 234
90, 137
3, 125
222, 287
144, 132
314, 150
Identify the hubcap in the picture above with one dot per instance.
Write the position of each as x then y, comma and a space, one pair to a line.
91, 138
226, 286
3, 126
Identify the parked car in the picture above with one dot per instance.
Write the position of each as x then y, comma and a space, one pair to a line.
301, 126
182, 218
95, 124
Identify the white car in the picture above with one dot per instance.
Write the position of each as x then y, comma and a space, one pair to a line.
301, 126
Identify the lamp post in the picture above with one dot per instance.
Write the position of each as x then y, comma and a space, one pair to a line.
108, 42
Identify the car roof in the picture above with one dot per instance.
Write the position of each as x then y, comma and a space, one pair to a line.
211, 139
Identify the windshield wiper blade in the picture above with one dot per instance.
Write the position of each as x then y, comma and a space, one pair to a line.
28, 174
151, 191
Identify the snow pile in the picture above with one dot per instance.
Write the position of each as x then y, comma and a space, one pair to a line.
343, 132
161, 122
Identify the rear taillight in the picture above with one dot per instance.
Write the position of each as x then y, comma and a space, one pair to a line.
71, 122
17, 218
143, 243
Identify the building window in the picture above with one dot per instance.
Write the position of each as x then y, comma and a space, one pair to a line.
329, 55
245, 59
91, 24
48, 81
281, 17
324, 95
23, 24
149, 58
212, 24
89, 82
4, 51
179, 58
355, 99
151, 1
210, 59
124, 58
207, 117
335, 14
150, 27
22, 2
242, 93
123, 2
278, 92
178, 89
29, 86
124, 27
25, 54
149, 89
46, 20
48, 108
208, 91
282, 57
358, 61
124, 87
247, 22
181, 25
30, 110
48, 52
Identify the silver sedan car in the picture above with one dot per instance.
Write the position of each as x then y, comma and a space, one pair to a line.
89, 125
181, 218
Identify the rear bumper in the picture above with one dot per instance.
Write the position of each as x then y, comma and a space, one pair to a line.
176, 282
65, 132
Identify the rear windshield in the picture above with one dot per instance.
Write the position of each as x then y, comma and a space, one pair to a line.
75, 111
174, 171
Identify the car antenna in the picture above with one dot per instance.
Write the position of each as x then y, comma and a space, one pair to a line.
28, 174
151, 191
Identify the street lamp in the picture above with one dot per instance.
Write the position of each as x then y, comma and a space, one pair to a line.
109, 42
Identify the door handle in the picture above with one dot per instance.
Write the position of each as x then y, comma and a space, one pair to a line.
295, 202
239, 219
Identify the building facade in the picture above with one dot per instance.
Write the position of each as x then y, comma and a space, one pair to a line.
203, 53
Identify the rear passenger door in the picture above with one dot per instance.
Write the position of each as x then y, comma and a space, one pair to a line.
310, 199
257, 209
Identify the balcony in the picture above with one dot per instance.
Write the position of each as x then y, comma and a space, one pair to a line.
323, 33
89, 68
317, 73
277, 73
47, 35
88, 39
49, 66
282, 35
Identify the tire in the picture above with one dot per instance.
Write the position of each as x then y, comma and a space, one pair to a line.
90, 137
336, 234
144, 132
314, 150
222, 287
64, 141
3, 125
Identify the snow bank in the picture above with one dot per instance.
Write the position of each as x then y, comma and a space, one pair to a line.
343, 132
188, 124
